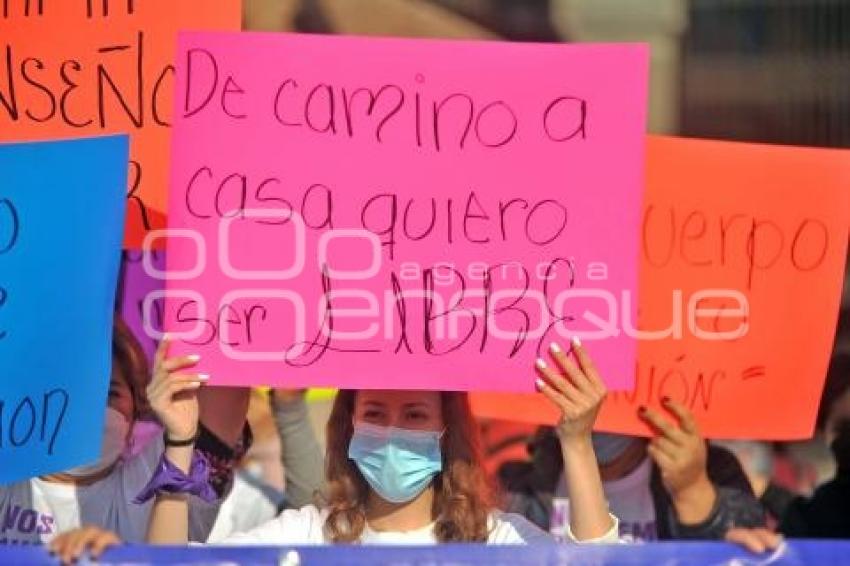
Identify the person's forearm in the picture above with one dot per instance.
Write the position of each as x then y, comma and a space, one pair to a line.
301, 454
169, 521
695, 503
589, 517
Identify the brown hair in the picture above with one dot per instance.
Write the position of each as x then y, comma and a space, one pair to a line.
129, 358
462, 501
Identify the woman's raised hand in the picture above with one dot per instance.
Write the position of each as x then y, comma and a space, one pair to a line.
173, 392
575, 387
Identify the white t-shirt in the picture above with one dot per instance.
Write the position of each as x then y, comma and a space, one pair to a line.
34, 511
629, 498
249, 504
305, 527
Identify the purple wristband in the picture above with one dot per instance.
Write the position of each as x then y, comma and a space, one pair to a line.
170, 479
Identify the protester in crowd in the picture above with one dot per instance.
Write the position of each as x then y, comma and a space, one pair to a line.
257, 492
252, 502
757, 460
801, 466
104, 492
264, 460
824, 515
827, 513
300, 451
402, 467
673, 486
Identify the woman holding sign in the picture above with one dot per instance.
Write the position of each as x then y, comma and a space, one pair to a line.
103, 492
672, 486
402, 467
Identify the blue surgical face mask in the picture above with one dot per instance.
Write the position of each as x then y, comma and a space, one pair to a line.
397, 463
608, 447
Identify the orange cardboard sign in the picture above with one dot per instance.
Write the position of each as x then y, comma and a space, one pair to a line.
743, 248
86, 67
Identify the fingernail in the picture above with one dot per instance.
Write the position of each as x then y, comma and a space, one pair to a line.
538, 383
553, 347
540, 363
575, 340
194, 357
203, 376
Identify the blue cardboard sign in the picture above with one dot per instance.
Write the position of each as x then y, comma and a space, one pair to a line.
62, 206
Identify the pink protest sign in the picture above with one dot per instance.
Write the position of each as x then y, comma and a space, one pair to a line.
387, 213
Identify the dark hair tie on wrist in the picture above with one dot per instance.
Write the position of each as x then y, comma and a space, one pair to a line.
187, 442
